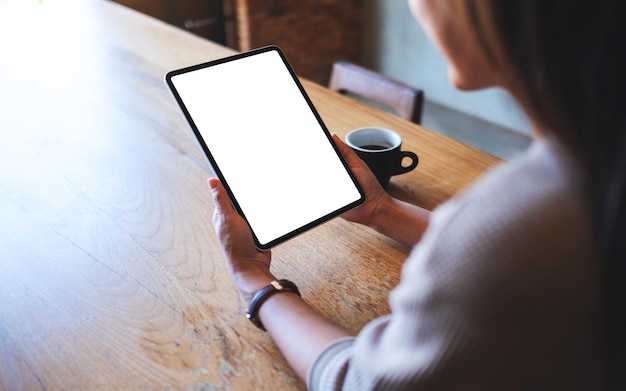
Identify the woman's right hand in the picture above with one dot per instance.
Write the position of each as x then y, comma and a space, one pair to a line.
376, 196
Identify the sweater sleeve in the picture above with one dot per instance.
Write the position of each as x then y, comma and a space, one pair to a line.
392, 351
331, 366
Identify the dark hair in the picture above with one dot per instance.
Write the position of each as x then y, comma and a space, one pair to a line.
567, 57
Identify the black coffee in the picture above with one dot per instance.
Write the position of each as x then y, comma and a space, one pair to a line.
374, 147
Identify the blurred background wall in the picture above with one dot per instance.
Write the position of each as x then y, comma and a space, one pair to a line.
394, 44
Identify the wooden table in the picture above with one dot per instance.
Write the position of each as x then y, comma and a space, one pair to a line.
110, 272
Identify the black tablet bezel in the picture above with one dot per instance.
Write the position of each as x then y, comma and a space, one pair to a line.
216, 168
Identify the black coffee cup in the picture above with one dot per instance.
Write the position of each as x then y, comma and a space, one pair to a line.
379, 148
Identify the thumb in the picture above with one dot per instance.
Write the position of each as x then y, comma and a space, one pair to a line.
214, 184
220, 198
347, 152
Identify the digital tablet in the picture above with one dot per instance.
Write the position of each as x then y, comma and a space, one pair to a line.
266, 143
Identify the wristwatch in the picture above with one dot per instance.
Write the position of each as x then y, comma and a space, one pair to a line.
276, 286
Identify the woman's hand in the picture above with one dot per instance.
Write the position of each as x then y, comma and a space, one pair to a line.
248, 267
299, 331
391, 217
376, 196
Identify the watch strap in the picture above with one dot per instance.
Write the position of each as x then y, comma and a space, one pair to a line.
276, 286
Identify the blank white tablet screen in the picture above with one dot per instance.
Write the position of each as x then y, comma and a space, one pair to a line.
267, 143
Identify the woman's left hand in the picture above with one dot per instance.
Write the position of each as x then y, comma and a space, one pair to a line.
248, 267
299, 331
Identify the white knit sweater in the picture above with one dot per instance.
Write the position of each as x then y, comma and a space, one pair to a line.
502, 293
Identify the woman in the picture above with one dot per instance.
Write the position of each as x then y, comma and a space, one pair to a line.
517, 282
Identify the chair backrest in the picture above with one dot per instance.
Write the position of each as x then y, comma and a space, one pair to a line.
350, 78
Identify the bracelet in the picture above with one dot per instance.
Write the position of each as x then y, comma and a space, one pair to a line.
276, 286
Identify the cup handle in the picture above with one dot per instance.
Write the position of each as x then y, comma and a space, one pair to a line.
400, 169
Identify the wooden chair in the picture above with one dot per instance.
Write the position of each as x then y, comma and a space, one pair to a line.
350, 78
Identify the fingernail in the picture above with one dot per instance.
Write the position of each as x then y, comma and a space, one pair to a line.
212, 183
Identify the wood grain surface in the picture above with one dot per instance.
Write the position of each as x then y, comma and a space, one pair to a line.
110, 273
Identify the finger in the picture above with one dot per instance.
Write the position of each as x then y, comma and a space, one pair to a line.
345, 150
340, 144
220, 197
353, 160
223, 207
214, 185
